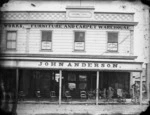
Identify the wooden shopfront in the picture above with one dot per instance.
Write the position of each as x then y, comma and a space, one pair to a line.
61, 75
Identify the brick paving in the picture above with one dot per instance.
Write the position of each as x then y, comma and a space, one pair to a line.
52, 109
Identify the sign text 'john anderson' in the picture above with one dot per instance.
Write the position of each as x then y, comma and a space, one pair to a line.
77, 64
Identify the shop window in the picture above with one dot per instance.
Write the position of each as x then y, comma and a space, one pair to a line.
83, 82
79, 42
112, 44
11, 40
46, 40
82, 78
71, 77
72, 86
82, 86
71, 81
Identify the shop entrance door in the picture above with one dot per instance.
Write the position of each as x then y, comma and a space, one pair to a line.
45, 84
72, 84
77, 81
115, 80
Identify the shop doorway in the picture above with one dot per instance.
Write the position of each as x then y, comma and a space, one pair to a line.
115, 80
42, 81
77, 81
47, 81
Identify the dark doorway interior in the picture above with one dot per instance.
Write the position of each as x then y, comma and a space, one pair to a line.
77, 81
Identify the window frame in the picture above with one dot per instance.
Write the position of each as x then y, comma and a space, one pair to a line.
43, 40
72, 81
14, 49
76, 50
111, 51
82, 82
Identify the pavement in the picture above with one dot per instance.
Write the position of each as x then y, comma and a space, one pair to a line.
70, 109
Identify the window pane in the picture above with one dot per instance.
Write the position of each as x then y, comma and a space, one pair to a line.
46, 45
11, 45
49, 34
71, 77
14, 35
82, 86
82, 77
71, 86
112, 37
11, 35
79, 36
46, 35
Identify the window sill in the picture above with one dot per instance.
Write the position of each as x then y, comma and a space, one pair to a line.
112, 52
78, 51
46, 50
10, 50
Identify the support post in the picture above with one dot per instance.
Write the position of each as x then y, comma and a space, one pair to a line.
14, 108
60, 85
141, 81
147, 80
97, 88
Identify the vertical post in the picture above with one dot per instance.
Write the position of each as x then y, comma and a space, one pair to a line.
60, 85
101, 80
92, 83
141, 88
147, 80
148, 89
97, 88
14, 108
131, 83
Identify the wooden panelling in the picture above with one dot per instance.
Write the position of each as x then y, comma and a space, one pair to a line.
63, 41
21, 40
34, 41
3, 40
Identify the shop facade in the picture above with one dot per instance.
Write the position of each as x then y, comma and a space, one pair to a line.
73, 76
71, 48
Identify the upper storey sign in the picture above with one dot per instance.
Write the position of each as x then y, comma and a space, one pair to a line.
80, 13
69, 26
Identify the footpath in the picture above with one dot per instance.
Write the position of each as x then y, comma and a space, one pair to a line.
69, 109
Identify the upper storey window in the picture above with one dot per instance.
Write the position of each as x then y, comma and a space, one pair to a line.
46, 40
79, 42
11, 40
112, 42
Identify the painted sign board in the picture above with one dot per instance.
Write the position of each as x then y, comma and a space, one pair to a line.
69, 26
75, 65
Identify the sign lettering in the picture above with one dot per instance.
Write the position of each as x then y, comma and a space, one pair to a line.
70, 26
78, 64
123, 66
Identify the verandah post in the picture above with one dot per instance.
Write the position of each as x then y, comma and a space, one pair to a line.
97, 88
60, 85
14, 108
141, 88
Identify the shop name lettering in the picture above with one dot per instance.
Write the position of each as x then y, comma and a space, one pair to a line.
69, 26
77, 64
